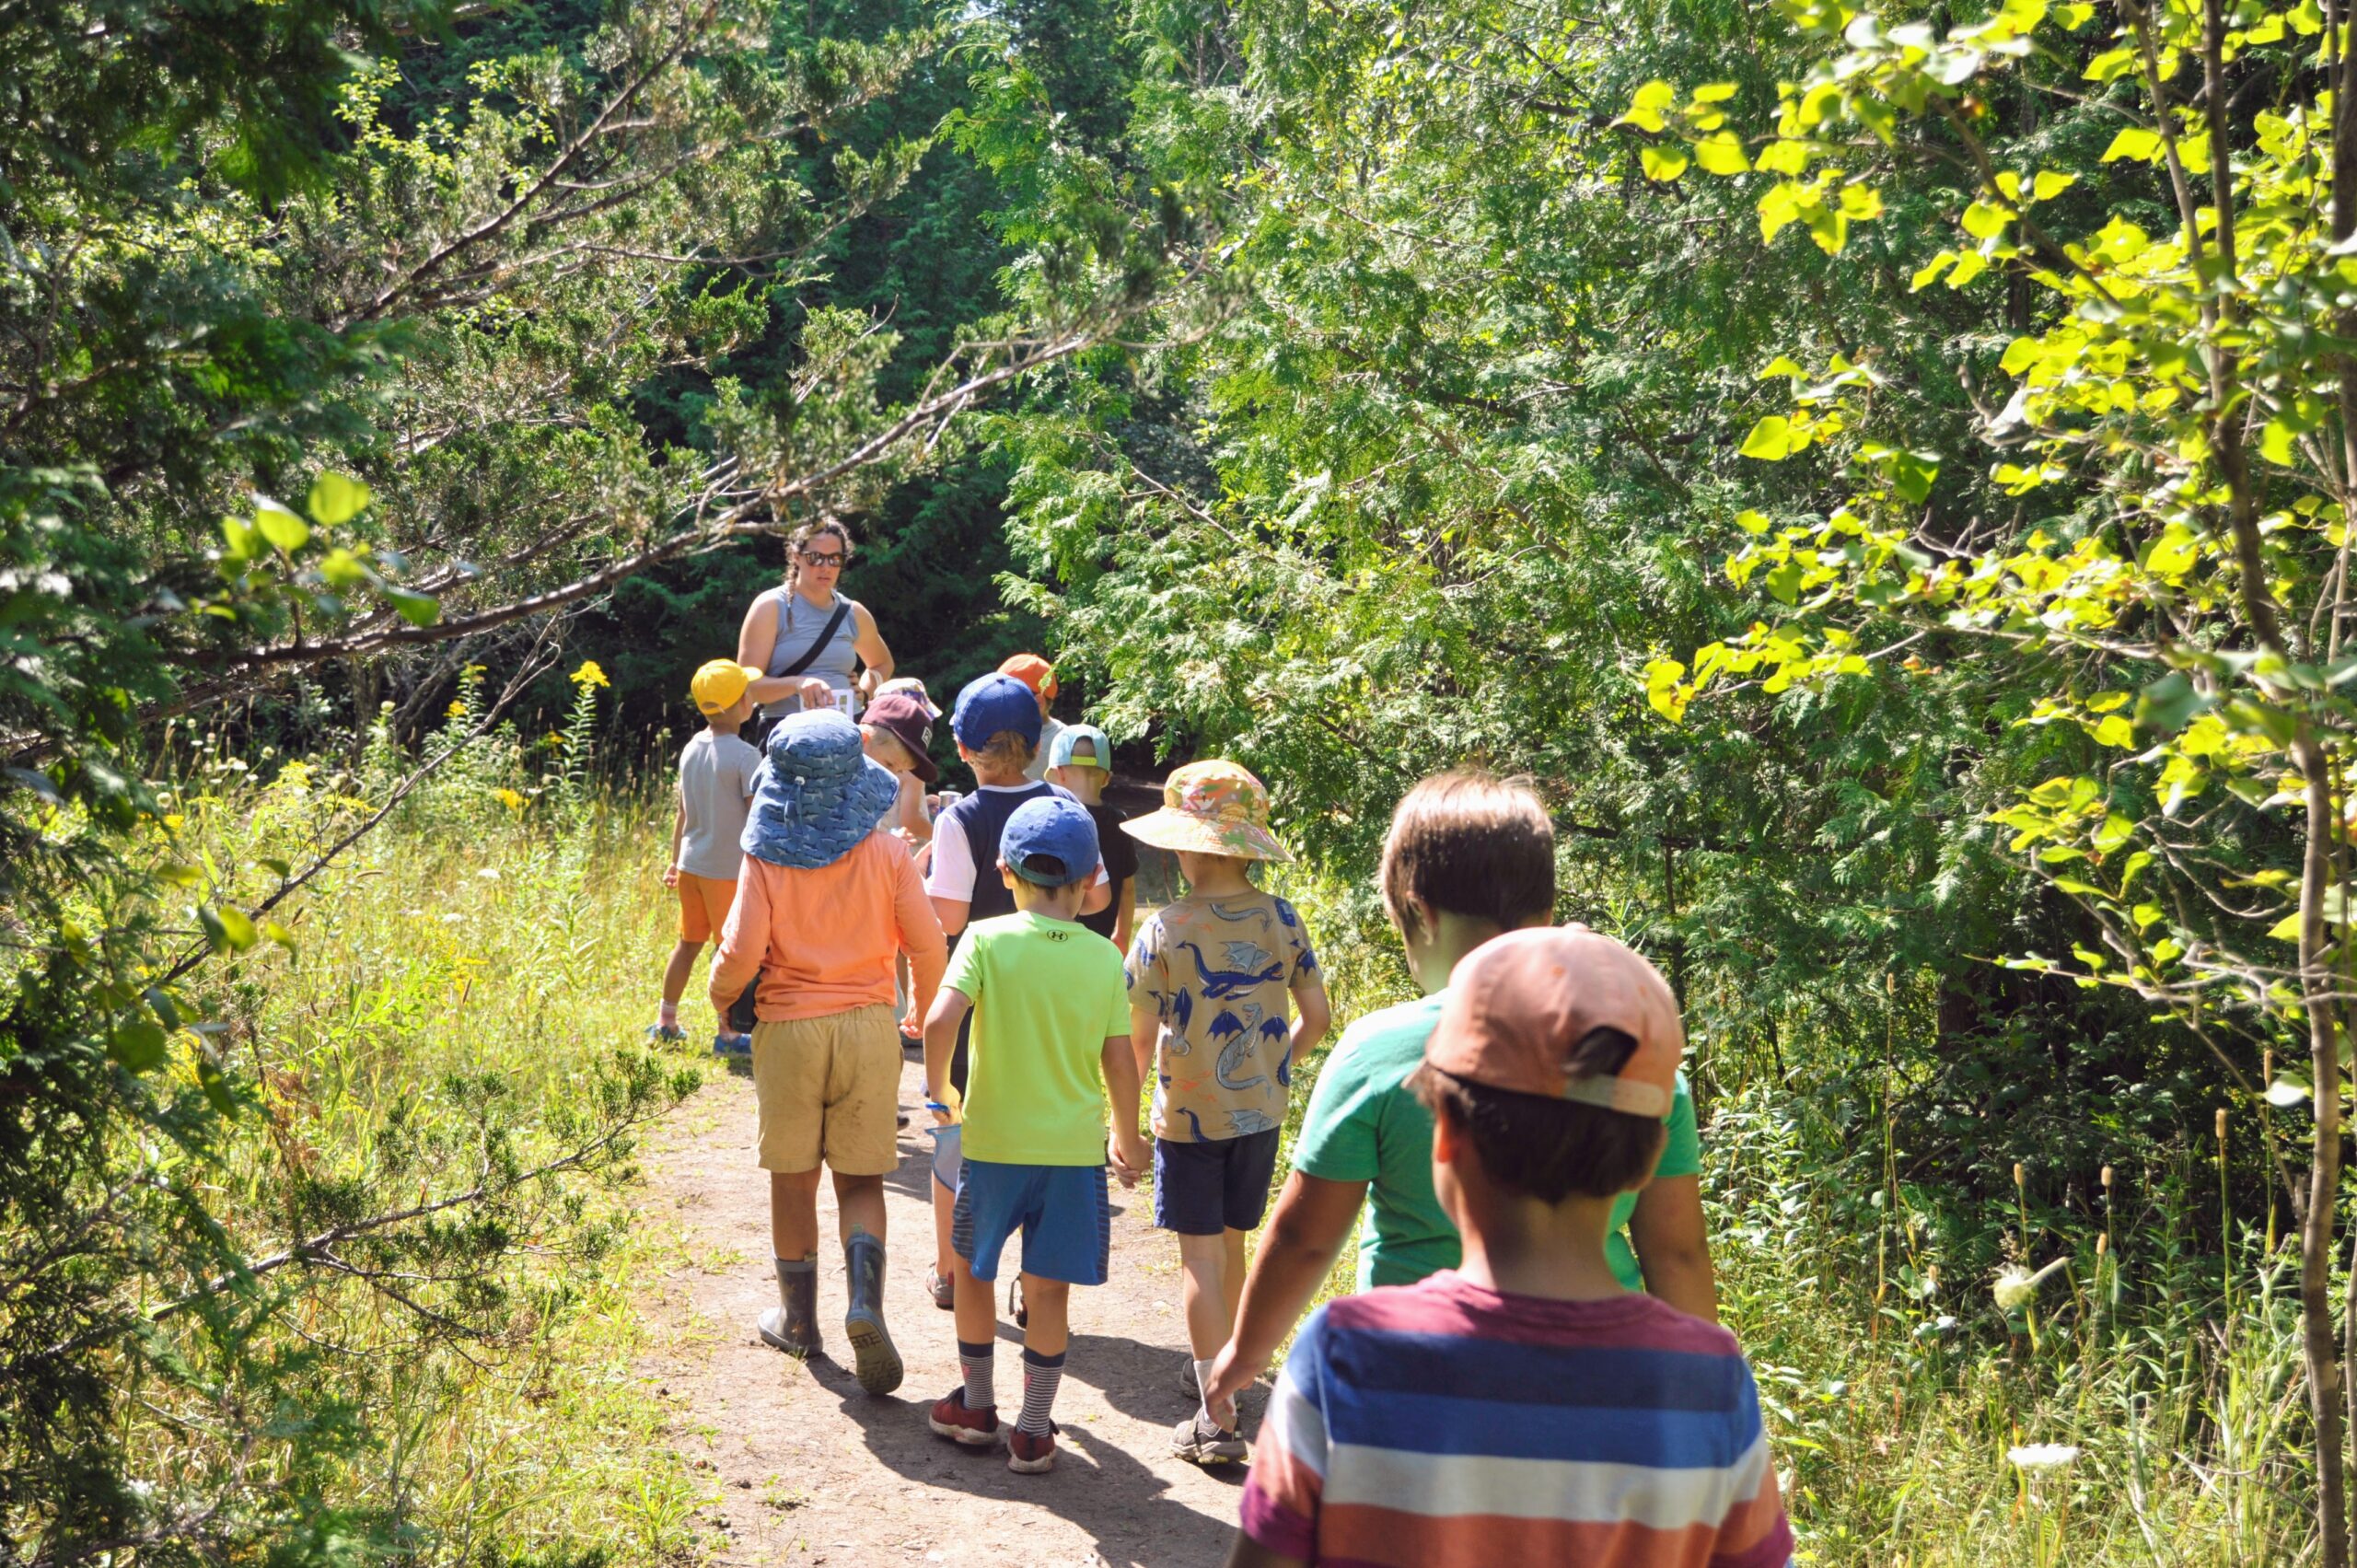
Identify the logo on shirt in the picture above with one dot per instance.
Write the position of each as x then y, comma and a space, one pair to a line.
1058, 935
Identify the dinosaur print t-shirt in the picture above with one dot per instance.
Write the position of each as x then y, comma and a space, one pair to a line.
1218, 972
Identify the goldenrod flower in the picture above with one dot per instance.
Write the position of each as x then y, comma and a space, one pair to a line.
589, 675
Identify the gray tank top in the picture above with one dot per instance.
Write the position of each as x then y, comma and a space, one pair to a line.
798, 624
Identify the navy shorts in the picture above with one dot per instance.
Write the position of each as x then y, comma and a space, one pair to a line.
1063, 1211
1214, 1184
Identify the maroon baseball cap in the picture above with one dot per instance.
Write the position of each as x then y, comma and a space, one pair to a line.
1519, 1002
902, 716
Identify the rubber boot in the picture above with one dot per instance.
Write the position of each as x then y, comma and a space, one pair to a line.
878, 1364
793, 1324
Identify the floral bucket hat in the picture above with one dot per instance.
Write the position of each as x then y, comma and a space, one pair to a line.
1214, 807
818, 794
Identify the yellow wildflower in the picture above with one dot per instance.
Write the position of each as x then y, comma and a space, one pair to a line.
458, 709
510, 799
589, 675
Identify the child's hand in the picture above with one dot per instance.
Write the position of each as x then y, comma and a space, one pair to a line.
1230, 1377
670, 876
1131, 1158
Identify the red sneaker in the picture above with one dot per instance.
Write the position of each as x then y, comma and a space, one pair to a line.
951, 1419
1027, 1455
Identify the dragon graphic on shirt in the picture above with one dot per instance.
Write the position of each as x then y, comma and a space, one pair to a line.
1252, 967
1239, 1035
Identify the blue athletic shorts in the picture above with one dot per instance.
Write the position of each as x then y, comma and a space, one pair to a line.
1214, 1184
1063, 1211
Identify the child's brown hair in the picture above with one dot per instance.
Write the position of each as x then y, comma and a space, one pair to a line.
1007, 752
1469, 842
1551, 1148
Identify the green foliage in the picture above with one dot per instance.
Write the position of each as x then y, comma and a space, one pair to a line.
460, 288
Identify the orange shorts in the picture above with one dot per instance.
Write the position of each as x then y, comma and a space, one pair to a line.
703, 906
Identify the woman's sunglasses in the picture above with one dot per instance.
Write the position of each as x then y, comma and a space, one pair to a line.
810, 559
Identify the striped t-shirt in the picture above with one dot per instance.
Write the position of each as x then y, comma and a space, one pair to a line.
1446, 1426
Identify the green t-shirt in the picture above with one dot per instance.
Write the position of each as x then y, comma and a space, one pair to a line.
1047, 994
1363, 1125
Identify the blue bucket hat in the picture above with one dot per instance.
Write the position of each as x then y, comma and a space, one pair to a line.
817, 795
991, 703
1055, 826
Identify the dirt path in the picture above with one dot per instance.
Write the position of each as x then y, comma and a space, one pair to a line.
813, 1470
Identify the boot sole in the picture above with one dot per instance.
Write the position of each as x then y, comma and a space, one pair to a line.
877, 1364
1039, 1466
964, 1437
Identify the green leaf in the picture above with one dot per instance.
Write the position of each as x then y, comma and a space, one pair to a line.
1770, 440
1928, 273
138, 1045
227, 930
216, 1086
241, 539
2111, 63
1784, 582
2115, 730
1984, 220
1663, 163
1722, 154
1750, 521
418, 610
2287, 929
2050, 184
336, 500
2169, 703
281, 526
2136, 143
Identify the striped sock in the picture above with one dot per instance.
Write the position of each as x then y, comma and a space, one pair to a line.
976, 1360
1040, 1375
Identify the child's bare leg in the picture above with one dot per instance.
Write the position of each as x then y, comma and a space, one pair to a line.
945, 1219
977, 1315
1047, 1328
859, 1205
676, 972
793, 1214
1203, 1260
1231, 1280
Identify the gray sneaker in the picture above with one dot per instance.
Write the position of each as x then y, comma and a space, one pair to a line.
1197, 1441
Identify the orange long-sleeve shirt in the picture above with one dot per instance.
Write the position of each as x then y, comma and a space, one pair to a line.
823, 941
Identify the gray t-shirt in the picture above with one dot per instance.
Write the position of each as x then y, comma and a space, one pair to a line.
1048, 730
715, 786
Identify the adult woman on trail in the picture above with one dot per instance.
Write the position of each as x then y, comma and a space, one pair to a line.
810, 639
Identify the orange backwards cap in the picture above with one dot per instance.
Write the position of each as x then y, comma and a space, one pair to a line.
1033, 672
1519, 1002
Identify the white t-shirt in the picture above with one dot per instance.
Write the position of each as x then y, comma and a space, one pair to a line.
716, 788
953, 872
1048, 730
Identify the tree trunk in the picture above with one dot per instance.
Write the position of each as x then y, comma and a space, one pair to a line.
2318, 1346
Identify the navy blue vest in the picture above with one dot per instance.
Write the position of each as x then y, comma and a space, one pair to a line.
982, 816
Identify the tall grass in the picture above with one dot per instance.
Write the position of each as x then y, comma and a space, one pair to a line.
2144, 1405
466, 985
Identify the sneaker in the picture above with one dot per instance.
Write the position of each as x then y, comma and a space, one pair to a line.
972, 1429
1187, 1382
665, 1033
1197, 1441
1014, 1308
943, 1289
1027, 1455
725, 1044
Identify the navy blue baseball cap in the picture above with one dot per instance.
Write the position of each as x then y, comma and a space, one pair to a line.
991, 703
1056, 829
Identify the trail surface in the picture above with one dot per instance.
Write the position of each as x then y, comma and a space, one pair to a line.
811, 1470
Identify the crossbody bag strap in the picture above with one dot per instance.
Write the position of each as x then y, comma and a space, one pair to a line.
826, 635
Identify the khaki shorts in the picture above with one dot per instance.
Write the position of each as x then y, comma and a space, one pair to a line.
830, 1088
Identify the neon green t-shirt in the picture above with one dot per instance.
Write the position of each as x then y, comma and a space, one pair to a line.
1363, 1125
1047, 994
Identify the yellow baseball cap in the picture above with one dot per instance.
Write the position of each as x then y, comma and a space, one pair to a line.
718, 684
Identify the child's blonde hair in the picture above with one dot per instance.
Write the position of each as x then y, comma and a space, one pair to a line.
1007, 752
